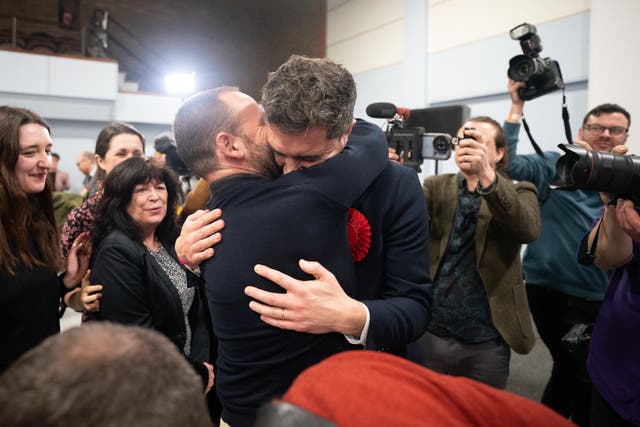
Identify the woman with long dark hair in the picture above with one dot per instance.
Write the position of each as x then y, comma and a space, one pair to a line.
30, 287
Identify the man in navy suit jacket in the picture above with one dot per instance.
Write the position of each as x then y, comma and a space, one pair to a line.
388, 232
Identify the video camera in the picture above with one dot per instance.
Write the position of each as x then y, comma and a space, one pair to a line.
616, 174
541, 75
411, 142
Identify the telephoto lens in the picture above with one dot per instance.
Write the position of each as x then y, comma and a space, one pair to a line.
581, 169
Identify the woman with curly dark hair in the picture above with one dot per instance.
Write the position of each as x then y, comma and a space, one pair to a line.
143, 283
116, 143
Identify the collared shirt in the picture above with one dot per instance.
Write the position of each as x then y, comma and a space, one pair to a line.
460, 302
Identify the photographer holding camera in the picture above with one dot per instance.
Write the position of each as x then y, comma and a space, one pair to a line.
478, 221
614, 241
562, 292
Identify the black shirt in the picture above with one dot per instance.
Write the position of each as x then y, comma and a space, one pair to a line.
460, 303
275, 222
29, 304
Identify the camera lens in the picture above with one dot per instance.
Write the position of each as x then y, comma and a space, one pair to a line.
521, 68
441, 144
524, 69
597, 171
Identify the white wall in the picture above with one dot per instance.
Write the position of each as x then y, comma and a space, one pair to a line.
479, 68
614, 64
457, 51
40, 74
72, 137
368, 34
458, 22
475, 74
78, 97
365, 34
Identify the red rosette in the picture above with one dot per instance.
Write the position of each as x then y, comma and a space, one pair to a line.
359, 231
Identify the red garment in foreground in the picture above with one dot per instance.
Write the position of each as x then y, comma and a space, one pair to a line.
366, 388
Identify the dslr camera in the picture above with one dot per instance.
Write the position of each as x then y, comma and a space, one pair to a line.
541, 75
616, 174
411, 143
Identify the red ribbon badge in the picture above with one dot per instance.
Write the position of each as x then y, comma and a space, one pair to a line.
359, 232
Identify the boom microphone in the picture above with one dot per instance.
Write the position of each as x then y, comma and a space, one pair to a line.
381, 110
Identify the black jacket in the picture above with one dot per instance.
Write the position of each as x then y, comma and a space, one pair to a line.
29, 303
136, 291
275, 222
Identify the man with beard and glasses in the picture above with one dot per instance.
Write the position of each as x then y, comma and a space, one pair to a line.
562, 292
221, 135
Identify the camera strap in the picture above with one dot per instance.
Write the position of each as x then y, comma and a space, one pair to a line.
586, 254
565, 120
533, 141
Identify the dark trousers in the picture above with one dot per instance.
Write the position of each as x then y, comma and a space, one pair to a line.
603, 415
568, 391
214, 406
487, 362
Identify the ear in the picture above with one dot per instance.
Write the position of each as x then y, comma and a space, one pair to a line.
626, 137
99, 161
500, 154
580, 134
345, 136
229, 146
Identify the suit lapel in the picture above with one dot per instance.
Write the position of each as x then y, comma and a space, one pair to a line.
156, 271
448, 210
482, 228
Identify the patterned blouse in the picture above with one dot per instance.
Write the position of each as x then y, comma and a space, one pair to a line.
179, 279
79, 220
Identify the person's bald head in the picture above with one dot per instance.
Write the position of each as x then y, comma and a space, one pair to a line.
103, 374
85, 162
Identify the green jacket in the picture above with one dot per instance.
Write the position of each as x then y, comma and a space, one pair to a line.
509, 216
63, 204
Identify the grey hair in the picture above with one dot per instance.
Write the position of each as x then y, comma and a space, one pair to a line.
306, 92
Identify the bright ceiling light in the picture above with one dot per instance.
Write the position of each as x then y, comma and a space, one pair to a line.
180, 84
